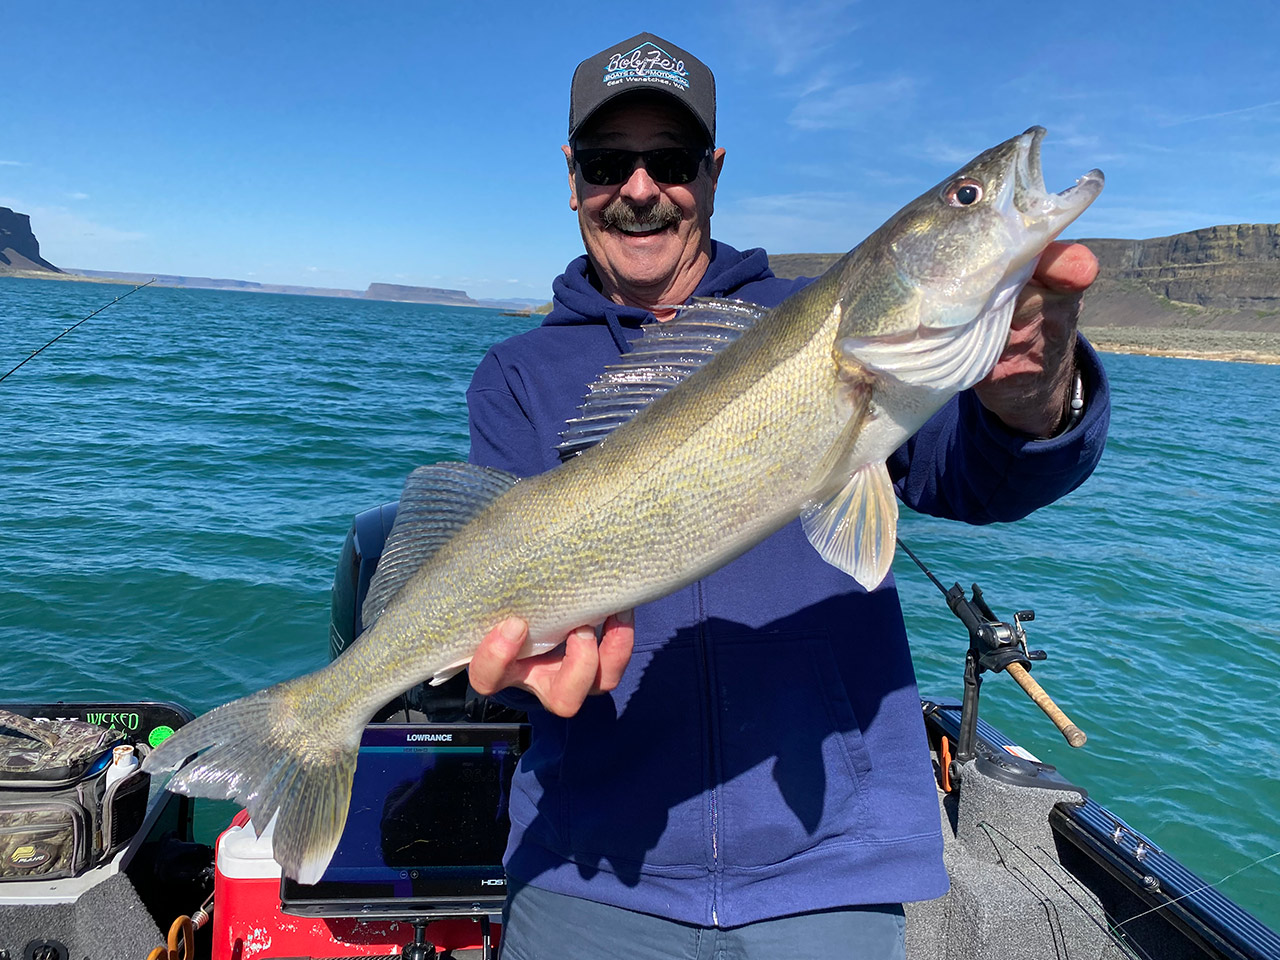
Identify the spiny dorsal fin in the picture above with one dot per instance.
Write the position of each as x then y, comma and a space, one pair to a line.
436, 502
664, 356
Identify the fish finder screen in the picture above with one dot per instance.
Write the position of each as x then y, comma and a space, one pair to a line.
427, 826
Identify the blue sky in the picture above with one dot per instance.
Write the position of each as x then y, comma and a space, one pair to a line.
337, 144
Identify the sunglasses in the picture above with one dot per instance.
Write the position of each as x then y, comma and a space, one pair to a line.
670, 165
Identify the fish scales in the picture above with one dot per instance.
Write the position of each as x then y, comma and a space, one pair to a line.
689, 482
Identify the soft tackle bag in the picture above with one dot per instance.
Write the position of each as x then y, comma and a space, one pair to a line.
71, 795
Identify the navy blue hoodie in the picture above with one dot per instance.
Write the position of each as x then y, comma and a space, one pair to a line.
764, 754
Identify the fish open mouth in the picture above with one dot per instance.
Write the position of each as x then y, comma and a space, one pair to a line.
1041, 210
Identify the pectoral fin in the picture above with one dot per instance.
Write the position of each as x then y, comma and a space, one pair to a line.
855, 530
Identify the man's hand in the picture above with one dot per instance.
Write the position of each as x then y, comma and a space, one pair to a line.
1030, 385
562, 678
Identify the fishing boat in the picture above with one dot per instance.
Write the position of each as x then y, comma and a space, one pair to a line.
1038, 869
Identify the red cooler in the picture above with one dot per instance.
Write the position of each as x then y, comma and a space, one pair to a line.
248, 924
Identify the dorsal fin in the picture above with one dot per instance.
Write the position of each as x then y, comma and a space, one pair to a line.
665, 355
436, 502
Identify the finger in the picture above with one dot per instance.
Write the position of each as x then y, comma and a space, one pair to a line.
492, 661
1067, 267
1038, 304
616, 644
572, 681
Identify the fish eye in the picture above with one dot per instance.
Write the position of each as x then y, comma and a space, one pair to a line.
963, 193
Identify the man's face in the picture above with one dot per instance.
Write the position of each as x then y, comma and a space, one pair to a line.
650, 242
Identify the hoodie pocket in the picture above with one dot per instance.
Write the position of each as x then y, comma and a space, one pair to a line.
634, 769
792, 759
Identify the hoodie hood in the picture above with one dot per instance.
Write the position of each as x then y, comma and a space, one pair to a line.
578, 301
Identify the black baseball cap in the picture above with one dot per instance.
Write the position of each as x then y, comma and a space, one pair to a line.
644, 62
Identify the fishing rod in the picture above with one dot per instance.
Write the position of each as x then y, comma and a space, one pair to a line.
33, 353
995, 645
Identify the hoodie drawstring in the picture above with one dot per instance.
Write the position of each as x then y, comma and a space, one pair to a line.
615, 330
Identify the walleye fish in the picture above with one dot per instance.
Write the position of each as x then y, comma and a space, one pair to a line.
719, 428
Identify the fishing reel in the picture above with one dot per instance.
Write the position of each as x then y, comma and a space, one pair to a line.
996, 646
994, 643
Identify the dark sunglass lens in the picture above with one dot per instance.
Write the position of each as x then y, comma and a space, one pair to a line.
676, 165
604, 167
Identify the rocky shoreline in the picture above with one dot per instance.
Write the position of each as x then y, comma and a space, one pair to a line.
62, 275
1209, 294
1238, 346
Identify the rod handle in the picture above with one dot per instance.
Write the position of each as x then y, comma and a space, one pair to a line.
1074, 735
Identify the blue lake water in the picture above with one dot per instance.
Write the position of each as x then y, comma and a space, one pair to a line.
177, 476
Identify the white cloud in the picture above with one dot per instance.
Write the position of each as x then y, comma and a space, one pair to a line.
12, 163
77, 196
58, 225
946, 152
793, 35
801, 222
1239, 111
1141, 222
70, 240
846, 107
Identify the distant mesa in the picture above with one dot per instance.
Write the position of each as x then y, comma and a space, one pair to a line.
442, 296
20, 256
210, 283
19, 248
405, 294
375, 291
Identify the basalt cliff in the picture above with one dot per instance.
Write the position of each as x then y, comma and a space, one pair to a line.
19, 248
1216, 278
1231, 272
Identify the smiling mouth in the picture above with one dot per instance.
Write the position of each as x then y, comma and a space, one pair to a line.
644, 222
642, 229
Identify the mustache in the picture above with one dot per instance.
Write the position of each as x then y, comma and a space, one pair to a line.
620, 213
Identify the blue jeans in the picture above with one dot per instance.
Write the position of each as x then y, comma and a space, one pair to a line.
540, 925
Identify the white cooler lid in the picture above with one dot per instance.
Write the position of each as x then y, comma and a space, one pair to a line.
244, 856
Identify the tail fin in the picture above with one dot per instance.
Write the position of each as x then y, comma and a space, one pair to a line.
261, 751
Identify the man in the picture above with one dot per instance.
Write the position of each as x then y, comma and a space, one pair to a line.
743, 770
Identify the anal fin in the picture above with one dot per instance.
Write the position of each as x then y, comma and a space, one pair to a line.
449, 672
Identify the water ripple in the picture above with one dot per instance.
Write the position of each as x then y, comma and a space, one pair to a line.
179, 473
